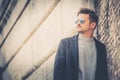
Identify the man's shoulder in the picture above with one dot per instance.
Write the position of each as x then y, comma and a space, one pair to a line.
69, 38
98, 42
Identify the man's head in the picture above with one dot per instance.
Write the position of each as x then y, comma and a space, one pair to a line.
87, 20
92, 15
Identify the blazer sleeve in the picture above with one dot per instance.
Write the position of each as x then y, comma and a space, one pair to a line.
59, 64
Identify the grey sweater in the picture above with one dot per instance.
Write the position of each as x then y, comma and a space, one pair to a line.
87, 58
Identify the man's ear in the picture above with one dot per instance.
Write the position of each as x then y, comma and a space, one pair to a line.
93, 24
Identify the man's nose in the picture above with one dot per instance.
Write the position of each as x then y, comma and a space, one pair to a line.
78, 24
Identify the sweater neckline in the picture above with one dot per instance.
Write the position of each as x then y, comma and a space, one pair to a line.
80, 37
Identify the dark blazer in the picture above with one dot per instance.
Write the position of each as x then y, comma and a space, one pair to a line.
66, 60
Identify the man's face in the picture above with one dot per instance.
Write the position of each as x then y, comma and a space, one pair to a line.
83, 23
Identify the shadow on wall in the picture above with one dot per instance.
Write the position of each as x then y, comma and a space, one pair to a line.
5, 77
6, 8
0, 73
3, 70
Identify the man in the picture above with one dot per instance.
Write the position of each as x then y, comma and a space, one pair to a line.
81, 57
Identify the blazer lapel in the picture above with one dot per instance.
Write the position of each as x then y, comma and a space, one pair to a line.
75, 49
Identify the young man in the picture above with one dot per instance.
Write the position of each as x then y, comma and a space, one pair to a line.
81, 57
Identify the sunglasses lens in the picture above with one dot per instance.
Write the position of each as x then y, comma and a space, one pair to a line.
82, 21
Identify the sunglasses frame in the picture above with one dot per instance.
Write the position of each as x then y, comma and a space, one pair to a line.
81, 21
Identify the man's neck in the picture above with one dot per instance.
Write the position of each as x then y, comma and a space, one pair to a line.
87, 35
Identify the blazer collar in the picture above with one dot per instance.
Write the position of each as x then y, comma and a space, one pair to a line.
75, 49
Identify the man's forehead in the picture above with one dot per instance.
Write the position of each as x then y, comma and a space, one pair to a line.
84, 16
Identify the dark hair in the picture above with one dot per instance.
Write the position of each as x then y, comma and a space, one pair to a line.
92, 14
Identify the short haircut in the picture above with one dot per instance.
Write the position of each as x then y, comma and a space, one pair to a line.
91, 13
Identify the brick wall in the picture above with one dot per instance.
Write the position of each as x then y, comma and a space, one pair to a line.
108, 32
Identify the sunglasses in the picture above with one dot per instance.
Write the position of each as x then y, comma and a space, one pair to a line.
81, 21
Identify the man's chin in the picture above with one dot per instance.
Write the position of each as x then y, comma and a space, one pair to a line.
80, 32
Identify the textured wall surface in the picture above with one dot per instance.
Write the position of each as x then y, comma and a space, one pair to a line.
109, 33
